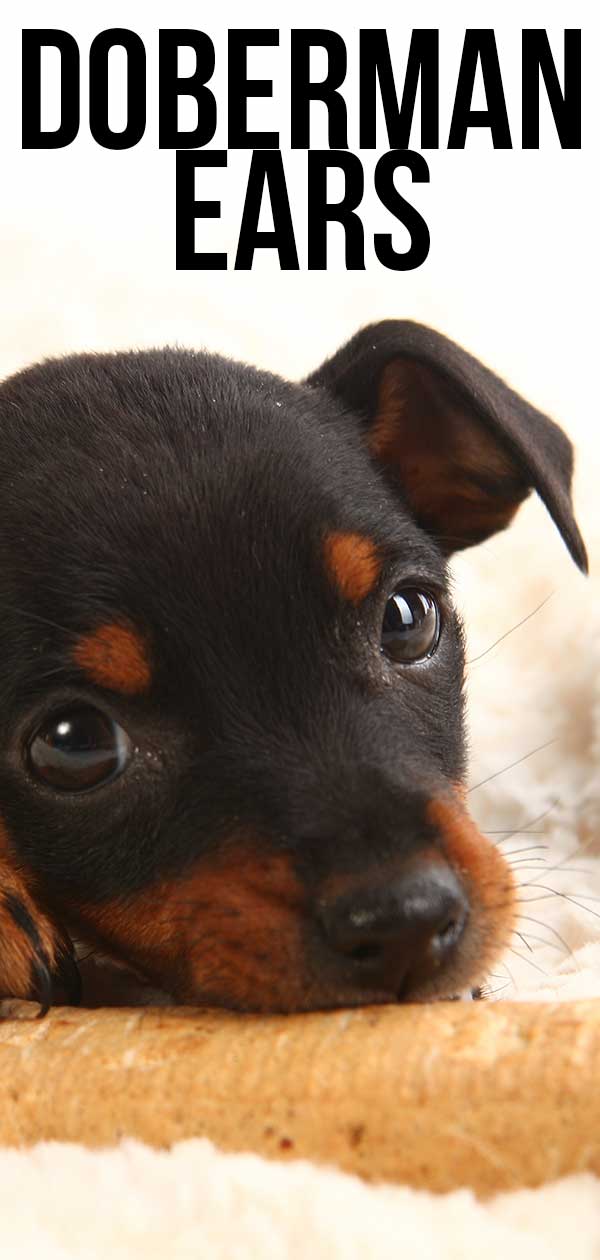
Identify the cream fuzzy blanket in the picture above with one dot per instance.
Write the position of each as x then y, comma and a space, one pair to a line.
538, 689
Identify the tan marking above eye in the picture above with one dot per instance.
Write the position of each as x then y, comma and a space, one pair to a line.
114, 656
352, 563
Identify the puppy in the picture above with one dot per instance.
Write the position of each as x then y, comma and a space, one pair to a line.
232, 743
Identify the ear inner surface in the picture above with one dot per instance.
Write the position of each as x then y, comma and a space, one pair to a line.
459, 482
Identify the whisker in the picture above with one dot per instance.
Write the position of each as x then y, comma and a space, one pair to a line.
511, 631
524, 940
530, 848
540, 748
557, 892
508, 832
580, 895
574, 899
511, 978
504, 964
541, 941
528, 960
547, 928
530, 823
527, 901
526, 848
529, 864
561, 865
487, 992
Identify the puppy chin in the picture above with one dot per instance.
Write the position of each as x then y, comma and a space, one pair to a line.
299, 999
107, 982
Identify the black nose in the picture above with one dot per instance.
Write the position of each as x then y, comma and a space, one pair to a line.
395, 935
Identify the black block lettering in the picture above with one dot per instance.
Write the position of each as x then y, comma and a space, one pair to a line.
172, 85
189, 209
303, 90
32, 136
118, 37
402, 210
479, 44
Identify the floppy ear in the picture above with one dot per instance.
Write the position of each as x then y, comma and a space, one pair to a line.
464, 449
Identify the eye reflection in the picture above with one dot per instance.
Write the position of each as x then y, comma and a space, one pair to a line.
411, 626
78, 749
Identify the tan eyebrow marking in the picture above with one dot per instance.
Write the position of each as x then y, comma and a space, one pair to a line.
353, 564
115, 656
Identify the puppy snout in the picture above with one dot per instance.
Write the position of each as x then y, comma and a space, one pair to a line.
394, 935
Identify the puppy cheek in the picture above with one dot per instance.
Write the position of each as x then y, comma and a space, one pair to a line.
487, 876
249, 955
228, 933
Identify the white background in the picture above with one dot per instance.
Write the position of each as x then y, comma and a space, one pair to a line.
87, 254
87, 241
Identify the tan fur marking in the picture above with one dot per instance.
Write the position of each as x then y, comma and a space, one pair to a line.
352, 563
114, 656
227, 932
487, 874
17, 953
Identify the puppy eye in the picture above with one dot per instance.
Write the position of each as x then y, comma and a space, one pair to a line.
77, 749
411, 626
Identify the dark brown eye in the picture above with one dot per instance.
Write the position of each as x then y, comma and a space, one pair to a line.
411, 626
77, 749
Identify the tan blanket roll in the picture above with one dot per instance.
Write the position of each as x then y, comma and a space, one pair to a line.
488, 1096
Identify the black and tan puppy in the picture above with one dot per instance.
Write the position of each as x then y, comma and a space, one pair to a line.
232, 749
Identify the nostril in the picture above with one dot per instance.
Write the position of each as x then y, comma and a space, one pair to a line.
366, 953
448, 935
397, 933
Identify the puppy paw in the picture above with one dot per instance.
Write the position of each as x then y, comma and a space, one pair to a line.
36, 960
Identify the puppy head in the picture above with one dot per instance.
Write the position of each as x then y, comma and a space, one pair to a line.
232, 727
